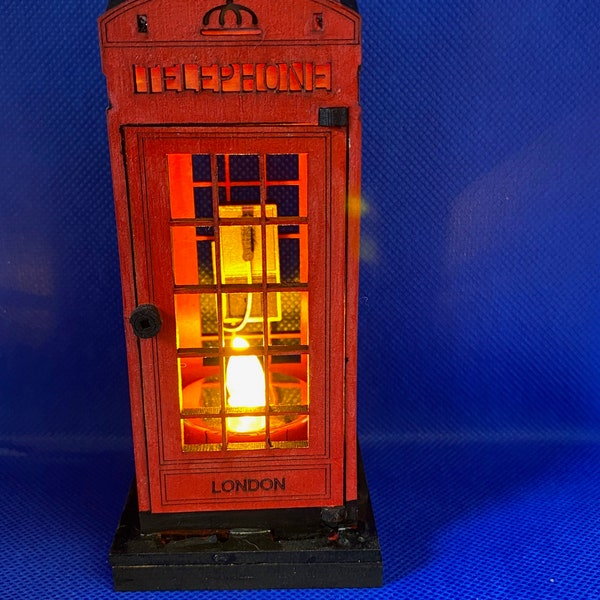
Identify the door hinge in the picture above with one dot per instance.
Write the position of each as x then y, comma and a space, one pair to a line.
334, 116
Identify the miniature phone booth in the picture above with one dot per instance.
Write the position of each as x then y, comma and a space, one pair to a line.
234, 134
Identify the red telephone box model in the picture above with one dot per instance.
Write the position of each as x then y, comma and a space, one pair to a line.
235, 145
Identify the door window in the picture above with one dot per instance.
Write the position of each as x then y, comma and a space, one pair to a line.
239, 242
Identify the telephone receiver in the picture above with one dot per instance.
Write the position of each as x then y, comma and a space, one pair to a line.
241, 263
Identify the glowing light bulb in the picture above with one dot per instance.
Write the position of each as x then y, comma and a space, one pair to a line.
245, 383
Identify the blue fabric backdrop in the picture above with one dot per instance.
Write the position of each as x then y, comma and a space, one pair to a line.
480, 297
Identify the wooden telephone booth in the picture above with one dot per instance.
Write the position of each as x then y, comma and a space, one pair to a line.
235, 146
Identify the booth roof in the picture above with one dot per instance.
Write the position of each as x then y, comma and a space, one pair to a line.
349, 3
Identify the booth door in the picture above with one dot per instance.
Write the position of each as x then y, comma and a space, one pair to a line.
239, 241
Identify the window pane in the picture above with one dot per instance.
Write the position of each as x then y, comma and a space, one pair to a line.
289, 431
181, 191
289, 383
241, 254
287, 199
200, 401
293, 325
243, 167
199, 385
244, 194
287, 180
293, 253
204, 251
185, 255
282, 167
192, 255
203, 202
241, 248
196, 321
238, 167
243, 316
201, 435
201, 167
289, 401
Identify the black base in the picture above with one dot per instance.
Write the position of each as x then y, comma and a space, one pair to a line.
341, 557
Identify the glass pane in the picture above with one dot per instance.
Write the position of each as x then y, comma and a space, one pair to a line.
293, 253
292, 328
243, 194
185, 259
243, 167
199, 385
241, 260
282, 167
181, 191
241, 254
288, 400
204, 251
238, 167
201, 167
288, 383
202, 435
203, 202
287, 177
246, 392
192, 255
200, 400
289, 431
196, 321
287, 199
243, 316
222, 167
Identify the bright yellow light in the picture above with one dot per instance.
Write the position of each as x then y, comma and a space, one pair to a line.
245, 383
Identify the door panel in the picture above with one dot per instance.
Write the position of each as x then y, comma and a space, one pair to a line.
235, 234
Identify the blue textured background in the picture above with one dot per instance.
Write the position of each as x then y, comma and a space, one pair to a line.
480, 297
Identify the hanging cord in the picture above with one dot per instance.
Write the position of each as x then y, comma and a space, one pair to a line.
247, 255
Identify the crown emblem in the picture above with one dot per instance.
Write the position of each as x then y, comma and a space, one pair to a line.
225, 25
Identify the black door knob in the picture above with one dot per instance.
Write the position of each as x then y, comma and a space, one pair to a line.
146, 321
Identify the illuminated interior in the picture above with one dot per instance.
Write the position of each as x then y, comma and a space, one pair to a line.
239, 234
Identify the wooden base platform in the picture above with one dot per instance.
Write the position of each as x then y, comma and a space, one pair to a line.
247, 558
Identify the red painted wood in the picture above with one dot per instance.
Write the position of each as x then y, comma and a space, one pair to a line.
185, 87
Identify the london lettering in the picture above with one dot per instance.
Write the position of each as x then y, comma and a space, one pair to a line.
237, 77
236, 486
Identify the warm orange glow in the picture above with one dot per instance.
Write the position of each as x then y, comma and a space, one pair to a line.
245, 383
241, 271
